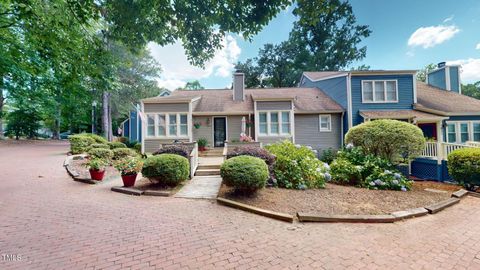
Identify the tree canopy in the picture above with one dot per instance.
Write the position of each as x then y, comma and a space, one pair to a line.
325, 36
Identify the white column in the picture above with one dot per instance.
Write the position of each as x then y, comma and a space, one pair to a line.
439, 142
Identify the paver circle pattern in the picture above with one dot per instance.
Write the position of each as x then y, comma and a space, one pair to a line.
53, 222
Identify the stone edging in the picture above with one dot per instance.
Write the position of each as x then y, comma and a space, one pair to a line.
386, 218
76, 176
256, 210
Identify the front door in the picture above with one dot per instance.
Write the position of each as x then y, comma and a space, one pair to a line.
219, 131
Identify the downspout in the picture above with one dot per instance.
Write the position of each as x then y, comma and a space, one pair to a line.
342, 131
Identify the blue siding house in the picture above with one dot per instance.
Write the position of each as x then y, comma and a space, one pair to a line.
447, 118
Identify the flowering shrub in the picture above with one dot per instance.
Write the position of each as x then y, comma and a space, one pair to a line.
387, 180
297, 167
120, 153
128, 165
245, 138
97, 164
354, 167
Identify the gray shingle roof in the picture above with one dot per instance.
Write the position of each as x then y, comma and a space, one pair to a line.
448, 102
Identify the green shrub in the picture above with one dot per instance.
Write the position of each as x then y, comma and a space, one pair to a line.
101, 153
179, 149
297, 167
202, 142
390, 139
115, 145
166, 169
352, 166
328, 155
95, 137
120, 153
245, 173
79, 143
464, 166
344, 172
138, 147
96, 164
98, 145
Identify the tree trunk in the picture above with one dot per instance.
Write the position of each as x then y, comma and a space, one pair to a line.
105, 129
2, 100
110, 131
56, 128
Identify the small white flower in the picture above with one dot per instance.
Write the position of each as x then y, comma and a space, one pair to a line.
298, 145
395, 182
349, 146
397, 176
326, 166
372, 183
318, 169
403, 189
387, 172
328, 177
309, 147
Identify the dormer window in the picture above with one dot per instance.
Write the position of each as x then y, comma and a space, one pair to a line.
380, 91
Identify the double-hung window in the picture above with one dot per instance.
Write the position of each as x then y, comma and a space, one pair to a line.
464, 132
451, 133
325, 122
151, 125
274, 123
379, 91
476, 132
167, 125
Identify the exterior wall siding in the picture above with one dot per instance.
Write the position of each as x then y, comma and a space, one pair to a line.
437, 79
234, 128
160, 107
335, 88
152, 145
405, 95
274, 105
273, 139
454, 79
307, 132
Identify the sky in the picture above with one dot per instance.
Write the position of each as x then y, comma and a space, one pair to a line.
406, 34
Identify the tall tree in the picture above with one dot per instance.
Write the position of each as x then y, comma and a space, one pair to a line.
193, 85
325, 36
471, 90
422, 74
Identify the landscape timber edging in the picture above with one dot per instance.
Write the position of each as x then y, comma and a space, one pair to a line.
256, 210
385, 218
76, 176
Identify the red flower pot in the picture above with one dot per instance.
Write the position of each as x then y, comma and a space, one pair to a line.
96, 174
129, 180
202, 148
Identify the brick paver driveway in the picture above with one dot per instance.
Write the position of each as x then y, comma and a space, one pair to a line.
55, 223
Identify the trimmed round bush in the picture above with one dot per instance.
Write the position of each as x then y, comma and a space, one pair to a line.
138, 147
245, 173
464, 166
115, 145
344, 172
101, 153
80, 143
180, 150
96, 138
390, 139
120, 153
166, 169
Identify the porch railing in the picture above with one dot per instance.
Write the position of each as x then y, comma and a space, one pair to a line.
440, 151
431, 150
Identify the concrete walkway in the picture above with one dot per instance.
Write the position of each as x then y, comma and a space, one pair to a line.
206, 182
201, 187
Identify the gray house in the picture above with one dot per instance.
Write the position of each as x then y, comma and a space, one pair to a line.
303, 115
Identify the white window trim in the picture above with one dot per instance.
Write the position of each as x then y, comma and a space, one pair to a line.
384, 91
280, 122
458, 139
167, 125
320, 129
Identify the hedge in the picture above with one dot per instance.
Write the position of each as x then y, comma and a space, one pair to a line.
245, 173
115, 145
80, 143
101, 153
120, 153
166, 169
464, 166
180, 150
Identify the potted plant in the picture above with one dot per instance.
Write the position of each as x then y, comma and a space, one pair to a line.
197, 125
129, 167
202, 144
96, 167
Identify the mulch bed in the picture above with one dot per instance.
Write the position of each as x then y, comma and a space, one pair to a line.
145, 184
338, 200
78, 166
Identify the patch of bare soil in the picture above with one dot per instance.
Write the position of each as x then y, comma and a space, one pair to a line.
337, 200
78, 165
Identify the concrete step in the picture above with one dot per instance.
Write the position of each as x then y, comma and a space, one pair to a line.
208, 166
206, 172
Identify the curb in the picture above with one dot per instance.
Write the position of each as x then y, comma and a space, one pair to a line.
138, 192
256, 210
76, 176
347, 218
